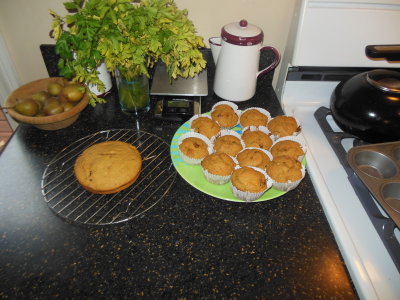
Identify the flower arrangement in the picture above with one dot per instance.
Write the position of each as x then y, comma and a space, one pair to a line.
129, 38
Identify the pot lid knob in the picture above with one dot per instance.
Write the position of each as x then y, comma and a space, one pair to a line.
243, 23
385, 80
242, 33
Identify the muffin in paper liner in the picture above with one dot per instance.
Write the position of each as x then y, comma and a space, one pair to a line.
227, 132
250, 148
290, 185
190, 160
261, 110
298, 138
263, 129
200, 116
250, 196
295, 133
233, 106
218, 179
224, 132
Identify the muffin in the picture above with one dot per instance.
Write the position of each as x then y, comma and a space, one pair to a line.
257, 137
108, 167
228, 142
193, 147
285, 172
225, 114
254, 117
205, 126
218, 167
281, 126
254, 157
287, 147
249, 183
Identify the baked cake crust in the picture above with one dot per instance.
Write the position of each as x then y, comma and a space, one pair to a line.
108, 167
281, 126
205, 126
194, 147
284, 168
218, 164
253, 158
257, 139
228, 144
253, 117
246, 179
287, 148
225, 116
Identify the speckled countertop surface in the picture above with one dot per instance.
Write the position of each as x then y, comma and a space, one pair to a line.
190, 245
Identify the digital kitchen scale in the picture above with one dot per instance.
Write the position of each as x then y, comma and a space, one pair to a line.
180, 99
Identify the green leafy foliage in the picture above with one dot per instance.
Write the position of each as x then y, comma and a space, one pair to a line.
128, 38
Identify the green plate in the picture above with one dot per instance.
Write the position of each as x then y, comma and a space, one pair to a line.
194, 174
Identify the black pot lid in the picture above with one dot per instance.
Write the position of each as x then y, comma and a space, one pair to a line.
385, 80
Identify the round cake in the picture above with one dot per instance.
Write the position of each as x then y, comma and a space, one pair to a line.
257, 139
108, 167
281, 126
205, 126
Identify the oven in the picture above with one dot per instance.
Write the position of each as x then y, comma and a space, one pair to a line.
326, 44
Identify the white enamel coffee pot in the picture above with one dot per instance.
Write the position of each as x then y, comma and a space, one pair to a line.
237, 55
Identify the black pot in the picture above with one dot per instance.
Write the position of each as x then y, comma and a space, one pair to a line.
367, 105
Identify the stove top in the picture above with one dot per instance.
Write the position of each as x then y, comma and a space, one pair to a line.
383, 224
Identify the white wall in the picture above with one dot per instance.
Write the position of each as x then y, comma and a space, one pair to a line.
26, 24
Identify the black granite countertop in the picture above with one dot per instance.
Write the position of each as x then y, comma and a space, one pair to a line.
189, 245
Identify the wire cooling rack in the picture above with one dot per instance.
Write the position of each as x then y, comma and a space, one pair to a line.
69, 200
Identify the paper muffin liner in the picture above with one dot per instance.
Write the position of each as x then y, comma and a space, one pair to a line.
218, 179
290, 185
257, 128
299, 139
261, 110
234, 107
190, 160
195, 117
295, 133
249, 196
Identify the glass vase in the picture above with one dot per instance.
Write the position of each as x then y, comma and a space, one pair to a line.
134, 95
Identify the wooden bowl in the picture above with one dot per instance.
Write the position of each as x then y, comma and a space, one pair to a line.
53, 122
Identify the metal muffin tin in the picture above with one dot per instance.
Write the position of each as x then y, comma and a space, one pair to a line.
378, 167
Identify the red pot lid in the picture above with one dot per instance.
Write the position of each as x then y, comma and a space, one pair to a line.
242, 33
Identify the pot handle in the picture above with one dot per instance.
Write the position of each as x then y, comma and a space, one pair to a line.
273, 65
389, 52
